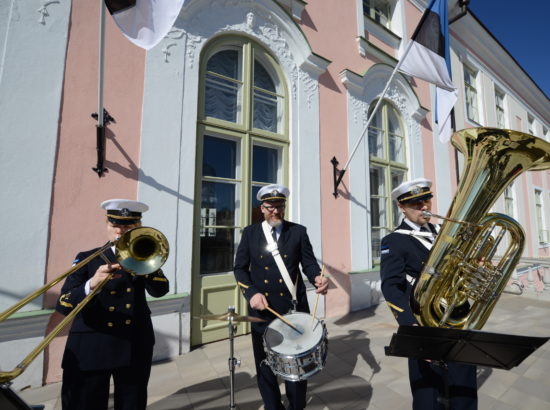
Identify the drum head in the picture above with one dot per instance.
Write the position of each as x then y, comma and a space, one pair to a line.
282, 339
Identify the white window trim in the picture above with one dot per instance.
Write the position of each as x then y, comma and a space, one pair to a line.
361, 91
391, 37
479, 93
171, 111
504, 107
544, 228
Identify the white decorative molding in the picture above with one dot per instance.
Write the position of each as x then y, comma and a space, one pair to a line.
260, 24
193, 43
166, 51
175, 34
43, 10
352, 81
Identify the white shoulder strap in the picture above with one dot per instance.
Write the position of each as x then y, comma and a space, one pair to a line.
273, 248
418, 236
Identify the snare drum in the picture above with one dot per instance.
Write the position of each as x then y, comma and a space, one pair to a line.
295, 356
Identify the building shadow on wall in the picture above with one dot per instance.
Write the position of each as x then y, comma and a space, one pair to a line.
132, 171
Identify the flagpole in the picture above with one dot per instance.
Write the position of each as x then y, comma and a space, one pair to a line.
371, 116
100, 128
101, 62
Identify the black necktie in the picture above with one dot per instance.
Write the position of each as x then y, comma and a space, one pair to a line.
274, 234
424, 229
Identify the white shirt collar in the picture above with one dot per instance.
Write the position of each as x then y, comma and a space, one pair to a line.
417, 227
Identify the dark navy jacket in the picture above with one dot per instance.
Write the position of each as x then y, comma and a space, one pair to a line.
401, 255
256, 271
114, 322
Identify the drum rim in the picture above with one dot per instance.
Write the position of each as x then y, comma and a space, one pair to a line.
324, 333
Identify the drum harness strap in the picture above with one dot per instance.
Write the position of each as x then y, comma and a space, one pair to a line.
274, 249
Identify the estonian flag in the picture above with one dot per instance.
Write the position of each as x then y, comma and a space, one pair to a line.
144, 22
428, 58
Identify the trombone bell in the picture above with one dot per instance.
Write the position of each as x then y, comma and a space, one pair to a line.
142, 250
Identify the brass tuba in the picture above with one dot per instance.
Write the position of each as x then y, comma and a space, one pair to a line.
463, 276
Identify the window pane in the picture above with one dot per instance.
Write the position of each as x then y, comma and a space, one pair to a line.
376, 142
377, 183
262, 79
225, 63
257, 215
266, 112
217, 249
217, 204
397, 178
378, 212
221, 98
378, 198
394, 124
397, 152
376, 133
375, 245
471, 93
264, 164
378, 10
219, 157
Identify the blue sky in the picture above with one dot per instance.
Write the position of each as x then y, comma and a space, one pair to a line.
523, 28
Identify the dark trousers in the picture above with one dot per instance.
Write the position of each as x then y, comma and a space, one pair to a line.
269, 385
89, 390
428, 384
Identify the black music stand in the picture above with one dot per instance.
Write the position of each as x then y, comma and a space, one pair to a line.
473, 347
9, 400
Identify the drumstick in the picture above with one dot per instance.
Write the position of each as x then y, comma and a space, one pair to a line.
284, 320
316, 300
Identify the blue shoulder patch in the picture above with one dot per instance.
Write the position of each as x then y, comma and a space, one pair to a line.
384, 250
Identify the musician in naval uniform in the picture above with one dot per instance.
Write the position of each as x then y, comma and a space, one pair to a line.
402, 256
113, 335
263, 284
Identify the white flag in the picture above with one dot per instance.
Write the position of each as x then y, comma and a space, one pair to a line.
428, 59
144, 22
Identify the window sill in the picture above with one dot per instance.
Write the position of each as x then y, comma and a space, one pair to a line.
365, 46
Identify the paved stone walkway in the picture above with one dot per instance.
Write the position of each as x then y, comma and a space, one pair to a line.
358, 375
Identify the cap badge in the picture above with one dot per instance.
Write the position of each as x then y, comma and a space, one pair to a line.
275, 193
416, 190
125, 212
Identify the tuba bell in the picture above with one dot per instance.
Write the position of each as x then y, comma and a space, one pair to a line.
475, 252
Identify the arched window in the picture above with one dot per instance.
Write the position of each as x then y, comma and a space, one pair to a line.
243, 143
387, 170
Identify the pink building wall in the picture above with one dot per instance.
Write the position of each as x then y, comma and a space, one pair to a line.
77, 222
340, 48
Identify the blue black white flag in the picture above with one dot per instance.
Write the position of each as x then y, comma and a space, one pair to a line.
144, 22
428, 58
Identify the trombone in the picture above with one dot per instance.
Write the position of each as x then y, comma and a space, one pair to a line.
142, 250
